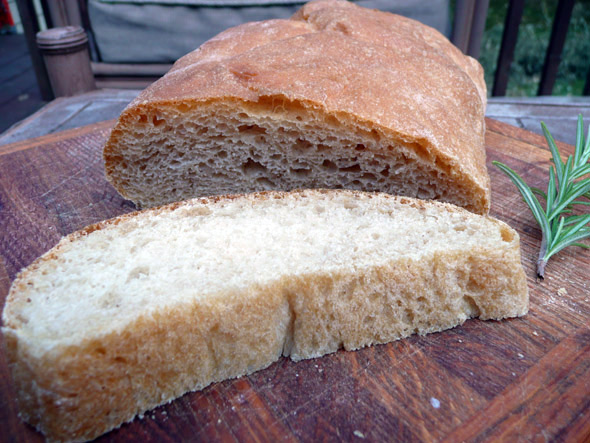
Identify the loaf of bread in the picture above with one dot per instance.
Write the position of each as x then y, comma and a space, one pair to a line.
336, 97
133, 312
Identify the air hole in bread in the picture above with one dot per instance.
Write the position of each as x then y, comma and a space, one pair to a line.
302, 144
205, 169
369, 320
265, 183
138, 272
252, 167
408, 316
300, 172
474, 284
251, 129
329, 165
353, 168
157, 121
507, 234
142, 118
472, 307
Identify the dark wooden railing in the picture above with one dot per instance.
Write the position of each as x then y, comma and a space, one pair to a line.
554, 50
509, 38
552, 56
469, 28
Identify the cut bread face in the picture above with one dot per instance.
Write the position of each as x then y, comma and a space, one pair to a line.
175, 152
338, 96
136, 311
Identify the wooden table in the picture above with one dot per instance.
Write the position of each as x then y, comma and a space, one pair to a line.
523, 379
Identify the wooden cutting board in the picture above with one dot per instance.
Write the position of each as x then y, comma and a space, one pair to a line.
524, 379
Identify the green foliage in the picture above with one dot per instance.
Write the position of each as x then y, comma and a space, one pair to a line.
533, 39
568, 186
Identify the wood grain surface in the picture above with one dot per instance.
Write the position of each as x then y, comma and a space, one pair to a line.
524, 379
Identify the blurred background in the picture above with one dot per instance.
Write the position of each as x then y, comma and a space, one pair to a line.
533, 39
133, 42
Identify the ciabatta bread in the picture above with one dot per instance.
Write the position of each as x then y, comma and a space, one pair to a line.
134, 312
337, 97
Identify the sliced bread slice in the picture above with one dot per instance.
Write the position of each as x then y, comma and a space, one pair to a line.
133, 312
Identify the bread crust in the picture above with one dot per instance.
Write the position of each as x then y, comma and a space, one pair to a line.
391, 76
81, 390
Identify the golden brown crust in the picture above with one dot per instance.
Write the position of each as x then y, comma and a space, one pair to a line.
362, 67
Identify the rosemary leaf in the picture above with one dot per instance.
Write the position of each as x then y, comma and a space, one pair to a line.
568, 183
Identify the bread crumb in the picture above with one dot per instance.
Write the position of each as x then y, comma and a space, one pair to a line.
435, 402
562, 291
520, 355
535, 333
514, 374
359, 434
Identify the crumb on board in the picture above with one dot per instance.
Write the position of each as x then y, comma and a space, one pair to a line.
562, 291
435, 402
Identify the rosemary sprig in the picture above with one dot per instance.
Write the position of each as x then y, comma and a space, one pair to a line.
569, 185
